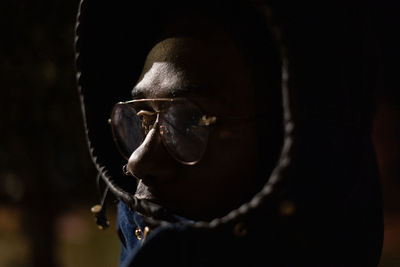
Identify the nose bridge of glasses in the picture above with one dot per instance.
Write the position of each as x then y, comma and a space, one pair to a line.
146, 113
149, 120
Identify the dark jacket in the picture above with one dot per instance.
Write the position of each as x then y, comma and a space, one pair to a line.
321, 205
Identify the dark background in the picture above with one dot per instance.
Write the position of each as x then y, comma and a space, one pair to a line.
47, 180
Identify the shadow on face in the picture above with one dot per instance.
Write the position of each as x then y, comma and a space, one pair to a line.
202, 64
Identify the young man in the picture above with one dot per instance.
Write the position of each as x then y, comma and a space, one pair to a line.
208, 174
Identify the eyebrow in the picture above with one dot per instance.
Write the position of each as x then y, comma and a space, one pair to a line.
138, 93
200, 91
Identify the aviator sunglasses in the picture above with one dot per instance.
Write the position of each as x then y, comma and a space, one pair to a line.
182, 125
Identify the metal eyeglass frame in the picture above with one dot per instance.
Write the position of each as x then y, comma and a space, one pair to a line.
206, 120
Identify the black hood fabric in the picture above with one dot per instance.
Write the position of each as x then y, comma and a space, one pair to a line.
321, 205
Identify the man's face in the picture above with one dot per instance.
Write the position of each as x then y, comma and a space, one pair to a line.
211, 73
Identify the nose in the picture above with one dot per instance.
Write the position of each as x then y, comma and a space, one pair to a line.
150, 158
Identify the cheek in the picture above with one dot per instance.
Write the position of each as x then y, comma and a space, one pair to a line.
229, 152
235, 151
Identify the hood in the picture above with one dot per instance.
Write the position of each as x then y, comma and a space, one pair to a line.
327, 167
110, 58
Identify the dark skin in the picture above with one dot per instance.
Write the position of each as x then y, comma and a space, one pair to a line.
208, 69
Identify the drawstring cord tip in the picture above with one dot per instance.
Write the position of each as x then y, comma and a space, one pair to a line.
99, 210
101, 219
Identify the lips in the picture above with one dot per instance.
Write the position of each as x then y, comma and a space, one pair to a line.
151, 180
154, 188
158, 178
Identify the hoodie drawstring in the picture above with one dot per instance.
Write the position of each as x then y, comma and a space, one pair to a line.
99, 210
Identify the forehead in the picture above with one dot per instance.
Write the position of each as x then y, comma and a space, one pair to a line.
174, 61
208, 63
162, 78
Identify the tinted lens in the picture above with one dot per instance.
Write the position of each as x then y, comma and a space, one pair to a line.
127, 129
182, 135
